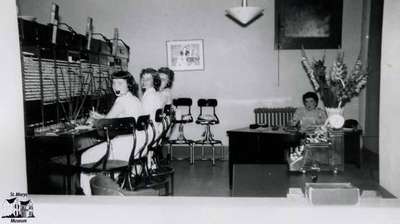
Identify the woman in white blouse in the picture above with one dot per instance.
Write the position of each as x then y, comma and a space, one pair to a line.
310, 116
125, 105
151, 100
167, 80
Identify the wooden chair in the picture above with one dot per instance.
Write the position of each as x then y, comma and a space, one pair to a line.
108, 129
142, 179
156, 146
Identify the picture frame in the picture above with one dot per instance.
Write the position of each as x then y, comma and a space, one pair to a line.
308, 24
185, 55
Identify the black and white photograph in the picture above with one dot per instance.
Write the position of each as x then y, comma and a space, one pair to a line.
309, 24
200, 111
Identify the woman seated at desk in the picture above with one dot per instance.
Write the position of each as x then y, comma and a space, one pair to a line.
310, 116
125, 105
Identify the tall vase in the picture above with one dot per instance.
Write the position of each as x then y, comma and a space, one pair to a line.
335, 117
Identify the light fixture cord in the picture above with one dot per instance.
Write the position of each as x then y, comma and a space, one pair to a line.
244, 3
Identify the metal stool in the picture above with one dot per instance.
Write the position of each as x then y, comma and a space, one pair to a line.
207, 120
182, 119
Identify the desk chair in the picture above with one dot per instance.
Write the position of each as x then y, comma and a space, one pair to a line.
142, 179
103, 185
181, 120
169, 113
108, 129
158, 170
207, 120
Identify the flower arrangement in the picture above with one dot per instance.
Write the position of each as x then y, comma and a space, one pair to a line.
336, 86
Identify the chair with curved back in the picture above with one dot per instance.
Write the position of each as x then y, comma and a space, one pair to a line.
159, 170
141, 179
108, 129
168, 114
181, 120
208, 119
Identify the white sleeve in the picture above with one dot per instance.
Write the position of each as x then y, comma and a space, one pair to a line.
151, 102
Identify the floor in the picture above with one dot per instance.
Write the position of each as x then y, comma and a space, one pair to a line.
260, 180
201, 178
256, 180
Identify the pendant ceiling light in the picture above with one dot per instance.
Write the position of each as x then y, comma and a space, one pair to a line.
244, 14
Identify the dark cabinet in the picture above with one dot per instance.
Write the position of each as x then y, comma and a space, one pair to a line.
352, 147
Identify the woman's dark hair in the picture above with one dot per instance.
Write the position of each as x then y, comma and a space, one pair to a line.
310, 95
154, 74
132, 85
170, 74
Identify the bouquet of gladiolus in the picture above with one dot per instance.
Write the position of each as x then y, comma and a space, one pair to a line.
336, 86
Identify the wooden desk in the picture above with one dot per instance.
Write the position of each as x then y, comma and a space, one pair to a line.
261, 145
40, 149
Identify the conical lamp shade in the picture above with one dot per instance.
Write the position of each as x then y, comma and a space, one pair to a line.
244, 14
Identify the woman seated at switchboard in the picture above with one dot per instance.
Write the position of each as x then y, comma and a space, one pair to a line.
151, 99
310, 116
126, 104
167, 80
150, 84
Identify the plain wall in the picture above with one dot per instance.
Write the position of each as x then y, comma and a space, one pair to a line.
241, 64
12, 159
389, 120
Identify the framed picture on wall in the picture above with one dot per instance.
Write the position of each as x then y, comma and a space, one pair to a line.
185, 55
312, 24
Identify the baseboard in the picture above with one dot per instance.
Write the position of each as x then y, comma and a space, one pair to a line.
182, 152
385, 193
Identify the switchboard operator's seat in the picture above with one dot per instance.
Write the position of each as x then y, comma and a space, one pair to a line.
183, 116
157, 169
137, 176
108, 129
208, 119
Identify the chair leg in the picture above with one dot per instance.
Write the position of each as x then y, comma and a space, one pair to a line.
191, 153
172, 184
202, 153
166, 188
213, 155
170, 152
